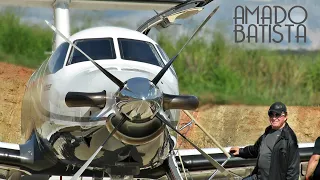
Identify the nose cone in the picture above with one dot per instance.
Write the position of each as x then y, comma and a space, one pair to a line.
139, 100
141, 88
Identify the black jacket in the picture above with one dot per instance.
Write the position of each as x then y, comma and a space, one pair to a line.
285, 158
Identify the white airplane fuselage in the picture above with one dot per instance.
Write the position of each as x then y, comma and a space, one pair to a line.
75, 133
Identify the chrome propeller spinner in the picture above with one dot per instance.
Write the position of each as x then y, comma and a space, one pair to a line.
139, 99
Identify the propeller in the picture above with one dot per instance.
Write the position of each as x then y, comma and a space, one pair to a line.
166, 67
105, 72
85, 165
162, 118
82, 99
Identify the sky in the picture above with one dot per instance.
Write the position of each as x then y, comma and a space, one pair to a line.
222, 21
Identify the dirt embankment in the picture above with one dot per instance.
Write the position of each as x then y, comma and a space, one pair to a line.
229, 124
242, 125
12, 86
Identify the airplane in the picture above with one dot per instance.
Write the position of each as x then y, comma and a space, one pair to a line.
106, 102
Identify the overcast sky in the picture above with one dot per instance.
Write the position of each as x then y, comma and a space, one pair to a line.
132, 19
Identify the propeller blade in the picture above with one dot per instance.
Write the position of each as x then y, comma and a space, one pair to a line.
208, 134
210, 159
84, 167
85, 99
105, 72
166, 67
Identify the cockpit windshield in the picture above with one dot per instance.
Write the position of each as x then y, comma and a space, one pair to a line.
103, 48
97, 49
141, 51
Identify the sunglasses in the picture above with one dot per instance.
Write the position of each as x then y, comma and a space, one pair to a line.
274, 114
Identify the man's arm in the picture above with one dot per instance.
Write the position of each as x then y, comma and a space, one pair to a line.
250, 151
293, 162
312, 164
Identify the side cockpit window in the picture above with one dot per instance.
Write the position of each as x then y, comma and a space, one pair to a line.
96, 49
56, 60
166, 58
140, 51
164, 55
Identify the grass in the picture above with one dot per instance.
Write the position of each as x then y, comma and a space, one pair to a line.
225, 74
214, 71
22, 44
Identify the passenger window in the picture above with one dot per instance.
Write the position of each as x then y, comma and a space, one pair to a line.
96, 49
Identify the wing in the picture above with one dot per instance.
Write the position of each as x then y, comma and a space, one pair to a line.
61, 8
97, 4
198, 167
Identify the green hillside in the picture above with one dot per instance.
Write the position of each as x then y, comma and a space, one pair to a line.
214, 71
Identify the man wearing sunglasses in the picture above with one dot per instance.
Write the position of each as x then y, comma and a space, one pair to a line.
276, 150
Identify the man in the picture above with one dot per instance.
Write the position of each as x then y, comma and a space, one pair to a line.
276, 150
313, 169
